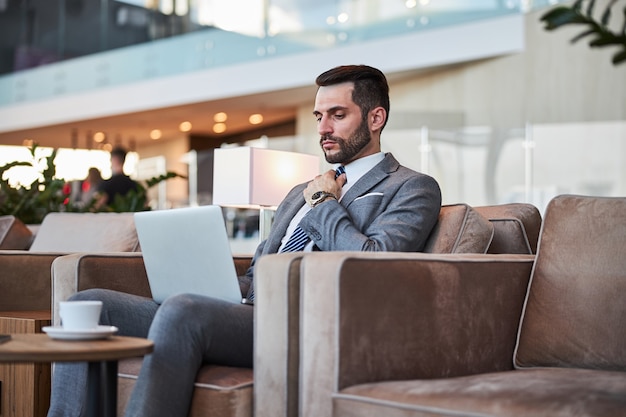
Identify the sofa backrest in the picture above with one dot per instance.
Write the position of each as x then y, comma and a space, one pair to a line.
86, 232
14, 234
516, 227
575, 309
460, 229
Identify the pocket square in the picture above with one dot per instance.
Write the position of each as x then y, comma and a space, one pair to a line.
367, 195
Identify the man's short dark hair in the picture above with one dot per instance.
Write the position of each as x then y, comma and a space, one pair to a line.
370, 86
119, 152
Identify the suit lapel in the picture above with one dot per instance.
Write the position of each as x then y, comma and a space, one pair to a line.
369, 181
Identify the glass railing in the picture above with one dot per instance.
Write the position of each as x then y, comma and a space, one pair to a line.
481, 165
134, 42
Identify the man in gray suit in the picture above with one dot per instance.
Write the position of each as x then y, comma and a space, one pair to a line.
371, 203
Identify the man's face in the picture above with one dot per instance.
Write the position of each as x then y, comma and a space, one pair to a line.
344, 136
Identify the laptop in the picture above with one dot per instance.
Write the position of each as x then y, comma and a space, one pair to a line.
186, 250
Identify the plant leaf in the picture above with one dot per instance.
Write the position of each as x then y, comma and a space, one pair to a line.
590, 8
619, 57
562, 16
606, 16
582, 35
577, 5
605, 40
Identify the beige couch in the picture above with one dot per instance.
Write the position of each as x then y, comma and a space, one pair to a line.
223, 391
26, 260
493, 335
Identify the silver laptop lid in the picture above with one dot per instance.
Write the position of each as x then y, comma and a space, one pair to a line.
186, 250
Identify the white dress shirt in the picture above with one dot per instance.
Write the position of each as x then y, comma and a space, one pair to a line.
354, 171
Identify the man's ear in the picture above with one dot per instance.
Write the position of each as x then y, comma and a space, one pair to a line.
377, 118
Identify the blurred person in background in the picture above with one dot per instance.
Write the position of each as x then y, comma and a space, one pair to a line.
84, 192
118, 184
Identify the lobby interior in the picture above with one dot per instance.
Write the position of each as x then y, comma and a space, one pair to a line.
483, 98
486, 100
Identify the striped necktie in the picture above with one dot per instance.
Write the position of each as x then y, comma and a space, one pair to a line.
298, 239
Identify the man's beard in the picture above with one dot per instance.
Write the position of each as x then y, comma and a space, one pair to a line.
348, 148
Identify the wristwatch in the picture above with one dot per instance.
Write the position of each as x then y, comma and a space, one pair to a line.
320, 196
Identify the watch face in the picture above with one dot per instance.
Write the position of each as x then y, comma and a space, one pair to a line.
316, 195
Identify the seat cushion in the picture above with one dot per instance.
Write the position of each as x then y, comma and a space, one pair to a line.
14, 234
220, 391
86, 232
516, 227
576, 306
536, 392
460, 229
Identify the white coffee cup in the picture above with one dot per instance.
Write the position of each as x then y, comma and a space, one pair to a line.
80, 315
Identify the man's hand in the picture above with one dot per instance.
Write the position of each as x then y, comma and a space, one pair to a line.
325, 182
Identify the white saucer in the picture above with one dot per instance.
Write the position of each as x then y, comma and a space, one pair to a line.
100, 332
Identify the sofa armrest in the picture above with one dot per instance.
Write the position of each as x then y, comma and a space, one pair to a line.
389, 316
25, 280
276, 335
120, 271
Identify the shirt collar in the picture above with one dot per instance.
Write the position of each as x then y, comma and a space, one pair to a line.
356, 169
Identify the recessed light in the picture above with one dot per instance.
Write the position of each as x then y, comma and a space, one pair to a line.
220, 117
184, 126
99, 137
255, 119
155, 134
219, 127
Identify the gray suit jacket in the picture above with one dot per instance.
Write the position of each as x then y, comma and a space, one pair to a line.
391, 208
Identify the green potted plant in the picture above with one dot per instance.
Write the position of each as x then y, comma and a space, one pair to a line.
47, 194
599, 31
31, 203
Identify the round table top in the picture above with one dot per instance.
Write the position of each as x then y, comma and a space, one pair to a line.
40, 347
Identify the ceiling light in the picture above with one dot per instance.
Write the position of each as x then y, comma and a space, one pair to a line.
219, 127
99, 137
184, 126
220, 117
255, 119
155, 134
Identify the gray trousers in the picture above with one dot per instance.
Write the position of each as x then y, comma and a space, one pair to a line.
188, 330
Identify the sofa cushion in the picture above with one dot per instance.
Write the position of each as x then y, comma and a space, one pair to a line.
219, 390
576, 305
86, 232
14, 234
534, 392
516, 227
460, 229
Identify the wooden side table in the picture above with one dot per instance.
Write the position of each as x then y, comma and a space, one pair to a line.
102, 356
25, 389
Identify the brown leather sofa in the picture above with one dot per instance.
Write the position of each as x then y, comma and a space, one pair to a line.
490, 335
25, 265
26, 259
222, 391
